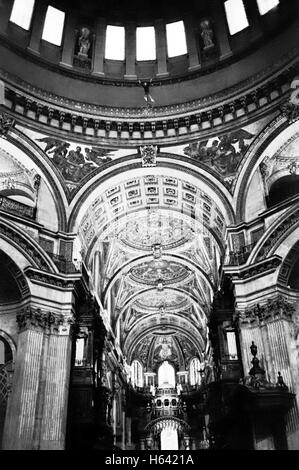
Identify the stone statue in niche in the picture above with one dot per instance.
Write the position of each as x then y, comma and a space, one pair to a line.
207, 34
84, 42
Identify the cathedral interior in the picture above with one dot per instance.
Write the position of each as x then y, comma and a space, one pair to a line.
149, 225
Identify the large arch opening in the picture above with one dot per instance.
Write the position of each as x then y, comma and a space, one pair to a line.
166, 375
282, 189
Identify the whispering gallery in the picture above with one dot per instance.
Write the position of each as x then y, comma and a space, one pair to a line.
149, 225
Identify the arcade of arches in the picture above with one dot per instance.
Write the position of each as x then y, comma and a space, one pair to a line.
149, 253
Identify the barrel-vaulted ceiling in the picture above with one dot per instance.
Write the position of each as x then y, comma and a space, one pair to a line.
159, 240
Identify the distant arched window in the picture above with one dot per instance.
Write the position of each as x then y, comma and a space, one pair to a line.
283, 188
176, 39
137, 373
166, 375
236, 16
21, 13
194, 372
266, 5
53, 26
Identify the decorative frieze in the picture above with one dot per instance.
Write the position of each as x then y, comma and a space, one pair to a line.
257, 269
49, 279
35, 318
275, 308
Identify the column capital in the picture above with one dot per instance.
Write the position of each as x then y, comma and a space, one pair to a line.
276, 308
45, 321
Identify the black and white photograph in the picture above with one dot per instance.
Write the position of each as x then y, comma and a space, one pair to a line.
149, 229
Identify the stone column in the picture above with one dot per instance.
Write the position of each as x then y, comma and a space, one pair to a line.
37, 411
69, 40
130, 51
221, 28
38, 21
56, 387
20, 414
99, 48
161, 48
192, 46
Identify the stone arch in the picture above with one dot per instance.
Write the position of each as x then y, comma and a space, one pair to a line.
50, 175
272, 242
267, 143
288, 264
127, 167
22, 249
10, 342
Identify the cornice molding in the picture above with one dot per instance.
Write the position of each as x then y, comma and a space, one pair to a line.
130, 127
255, 270
56, 281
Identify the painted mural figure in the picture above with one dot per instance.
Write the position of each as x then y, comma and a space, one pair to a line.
222, 154
72, 163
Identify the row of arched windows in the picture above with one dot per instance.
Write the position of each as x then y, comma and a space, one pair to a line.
145, 36
166, 374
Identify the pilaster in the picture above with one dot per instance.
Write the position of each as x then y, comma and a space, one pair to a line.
221, 28
99, 48
38, 21
192, 46
5, 12
130, 51
36, 414
161, 48
69, 41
